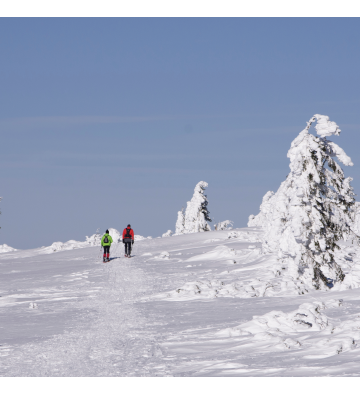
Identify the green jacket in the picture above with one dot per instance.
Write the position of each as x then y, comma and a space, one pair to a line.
109, 238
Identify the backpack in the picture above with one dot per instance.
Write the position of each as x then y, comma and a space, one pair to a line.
106, 240
128, 235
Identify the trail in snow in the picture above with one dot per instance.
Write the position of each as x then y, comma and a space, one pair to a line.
110, 337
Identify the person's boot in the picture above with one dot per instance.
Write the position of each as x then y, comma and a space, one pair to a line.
104, 259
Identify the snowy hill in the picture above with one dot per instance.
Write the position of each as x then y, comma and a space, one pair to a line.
203, 304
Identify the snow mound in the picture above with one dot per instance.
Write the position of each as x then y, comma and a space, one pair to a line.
307, 328
167, 234
6, 248
217, 288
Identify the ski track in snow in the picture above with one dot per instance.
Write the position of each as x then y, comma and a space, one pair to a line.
68, 314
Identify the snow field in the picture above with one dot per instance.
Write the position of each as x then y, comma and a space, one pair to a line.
68, 314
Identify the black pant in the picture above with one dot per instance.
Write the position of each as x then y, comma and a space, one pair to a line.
106, 249
127, 247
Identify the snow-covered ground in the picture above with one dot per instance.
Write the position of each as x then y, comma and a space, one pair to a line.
203, 304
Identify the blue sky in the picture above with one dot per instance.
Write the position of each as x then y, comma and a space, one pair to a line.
106, 122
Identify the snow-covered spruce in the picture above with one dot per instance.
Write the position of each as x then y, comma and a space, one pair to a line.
197, 214
180, 223
311, 211
224, 225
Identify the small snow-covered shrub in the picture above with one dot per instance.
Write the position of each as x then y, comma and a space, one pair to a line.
167, 234
180, 223
164, 255
224, 225
6, 248
233, 235
57, 246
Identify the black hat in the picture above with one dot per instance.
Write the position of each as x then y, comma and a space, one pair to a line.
129, 225
107, 231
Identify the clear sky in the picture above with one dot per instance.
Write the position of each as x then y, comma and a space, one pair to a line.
106, 122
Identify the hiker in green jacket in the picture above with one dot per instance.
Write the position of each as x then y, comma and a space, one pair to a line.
106, 243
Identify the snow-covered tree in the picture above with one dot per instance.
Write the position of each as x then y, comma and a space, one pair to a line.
197, 214
180, 223
312, 210
224, 225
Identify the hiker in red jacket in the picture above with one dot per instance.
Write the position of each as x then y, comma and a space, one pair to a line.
128, 240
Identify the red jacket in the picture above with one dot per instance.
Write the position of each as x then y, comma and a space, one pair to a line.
131, 233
